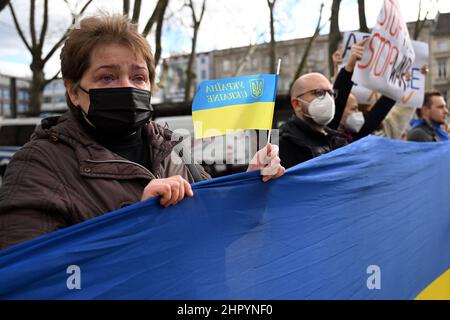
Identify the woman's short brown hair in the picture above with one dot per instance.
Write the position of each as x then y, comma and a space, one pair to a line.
97, 30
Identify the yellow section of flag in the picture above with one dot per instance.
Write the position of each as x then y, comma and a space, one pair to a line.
439, 289
227, 120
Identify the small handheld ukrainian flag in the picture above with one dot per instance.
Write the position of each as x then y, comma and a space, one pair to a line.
224, 106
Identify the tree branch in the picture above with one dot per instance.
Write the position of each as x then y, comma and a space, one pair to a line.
60, 42
159, 26
335, 35
362, 16
32, 26
44, 25
126, 7
136, 11
46, 82
309, 45
19, 30
202, 12
3, 4
271, 4
160, 6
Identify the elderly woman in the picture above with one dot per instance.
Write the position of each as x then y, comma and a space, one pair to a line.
105, 153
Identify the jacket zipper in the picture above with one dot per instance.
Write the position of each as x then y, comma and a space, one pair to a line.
124, 161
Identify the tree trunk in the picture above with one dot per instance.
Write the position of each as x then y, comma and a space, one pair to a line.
162, 6
3, 4
335, 34
37, 86
136, 11
189, 73
305, 55
273, 54
251, 49
35, 49
126, 7
419, 23
362, 17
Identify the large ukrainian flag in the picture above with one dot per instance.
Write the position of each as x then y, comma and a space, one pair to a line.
224, 106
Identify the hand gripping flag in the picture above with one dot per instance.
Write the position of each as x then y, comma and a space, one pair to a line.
224, 106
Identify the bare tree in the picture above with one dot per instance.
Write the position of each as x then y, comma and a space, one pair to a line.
305, 55
3, 4
159, 11
39, 59
196, 21
420, 23
244, 60
273, 53
136, 11
362, 16
126, 7
335, 35
156, 17
248, 54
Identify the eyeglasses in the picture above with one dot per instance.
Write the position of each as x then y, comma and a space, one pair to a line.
320, 93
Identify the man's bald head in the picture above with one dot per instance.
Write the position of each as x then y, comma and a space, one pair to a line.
309, 81
303, 85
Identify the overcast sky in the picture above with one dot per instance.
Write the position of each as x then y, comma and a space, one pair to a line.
227, 23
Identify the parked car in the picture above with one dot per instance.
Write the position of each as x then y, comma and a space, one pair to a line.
14, 133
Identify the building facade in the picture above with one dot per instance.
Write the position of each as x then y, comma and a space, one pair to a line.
440, 55
253, 60
10, 86
54, 97
242, 61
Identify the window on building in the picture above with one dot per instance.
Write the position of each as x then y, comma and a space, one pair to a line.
442, 69
442, 46
320, 54
22, 108
47, 99
6, 110
286, 87
23, 95
255, 63
203, 75
60, 99
226, 65
286, 60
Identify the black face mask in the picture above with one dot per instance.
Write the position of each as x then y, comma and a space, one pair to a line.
118, 112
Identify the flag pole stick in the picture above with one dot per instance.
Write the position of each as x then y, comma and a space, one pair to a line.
278, 73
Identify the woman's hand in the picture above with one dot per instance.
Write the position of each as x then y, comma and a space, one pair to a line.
267, 161
356, 54
172, 190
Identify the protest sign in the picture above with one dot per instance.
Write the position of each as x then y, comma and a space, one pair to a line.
388, 56
415, 90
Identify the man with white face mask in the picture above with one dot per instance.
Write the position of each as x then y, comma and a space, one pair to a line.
306, 134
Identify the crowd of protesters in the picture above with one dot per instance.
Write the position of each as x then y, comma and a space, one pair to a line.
328, 116
105, 153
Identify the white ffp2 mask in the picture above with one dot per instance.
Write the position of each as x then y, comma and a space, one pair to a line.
355, 121
321, 110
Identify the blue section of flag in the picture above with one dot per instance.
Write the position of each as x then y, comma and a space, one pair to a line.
233, 91
312, 234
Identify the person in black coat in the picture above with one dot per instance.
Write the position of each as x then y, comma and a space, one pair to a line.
306, 135
324, 117
348, 120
